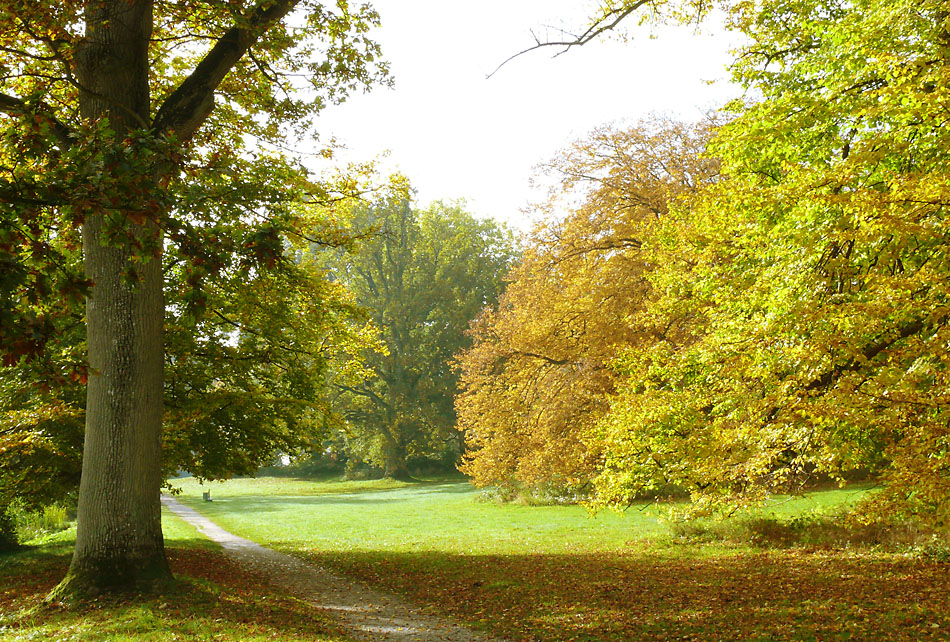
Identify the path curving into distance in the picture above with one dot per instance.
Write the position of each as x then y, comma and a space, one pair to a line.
365, 614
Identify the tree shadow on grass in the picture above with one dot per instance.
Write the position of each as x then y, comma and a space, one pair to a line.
779, 595
197, 543
213, 599
268, 503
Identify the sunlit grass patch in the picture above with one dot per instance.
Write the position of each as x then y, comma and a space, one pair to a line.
408, 517
284, 486
180, 534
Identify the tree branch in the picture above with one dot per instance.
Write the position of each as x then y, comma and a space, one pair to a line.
609, 22
243, 328
369, 394
191, 103
872, 350
18, 107
541, 357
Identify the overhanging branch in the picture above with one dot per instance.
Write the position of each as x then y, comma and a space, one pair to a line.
609, 22
189, 105
872, 350
19, 107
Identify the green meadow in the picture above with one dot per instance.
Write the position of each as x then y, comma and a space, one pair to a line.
787, 571
440, 516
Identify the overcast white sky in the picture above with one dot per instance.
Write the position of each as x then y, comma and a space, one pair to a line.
456, 134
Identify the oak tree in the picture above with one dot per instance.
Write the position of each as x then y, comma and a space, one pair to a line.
246, 378
112, 108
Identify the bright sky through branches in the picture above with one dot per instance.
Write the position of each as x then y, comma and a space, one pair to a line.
457, 134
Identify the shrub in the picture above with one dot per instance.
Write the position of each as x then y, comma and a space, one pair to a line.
500, 494
937, 550
30, 525
818, 530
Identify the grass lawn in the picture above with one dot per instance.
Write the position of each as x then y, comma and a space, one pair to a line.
554, 573
386, 516
214, 600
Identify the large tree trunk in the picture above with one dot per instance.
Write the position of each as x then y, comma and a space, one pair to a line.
119, 540
394, 454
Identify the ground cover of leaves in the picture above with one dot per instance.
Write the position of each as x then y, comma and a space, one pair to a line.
214, 600
695, 594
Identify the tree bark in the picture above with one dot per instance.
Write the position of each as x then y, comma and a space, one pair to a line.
394, 453
119, 539
119, 543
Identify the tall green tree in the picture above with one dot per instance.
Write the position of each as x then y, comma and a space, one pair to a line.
422, 277
116, 111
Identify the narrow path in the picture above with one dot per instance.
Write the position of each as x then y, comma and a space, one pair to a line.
365, 613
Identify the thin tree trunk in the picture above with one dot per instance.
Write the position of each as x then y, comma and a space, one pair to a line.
119, 540
8, 535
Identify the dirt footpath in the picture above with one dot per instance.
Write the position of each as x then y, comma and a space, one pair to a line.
366, 614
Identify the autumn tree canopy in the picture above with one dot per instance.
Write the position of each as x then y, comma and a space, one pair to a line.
819, 266
796, 323
538, 377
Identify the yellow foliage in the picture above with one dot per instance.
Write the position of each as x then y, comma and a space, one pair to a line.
819, 267
538, 376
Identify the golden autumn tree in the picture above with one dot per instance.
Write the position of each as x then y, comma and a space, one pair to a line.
820, 269
538, 376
